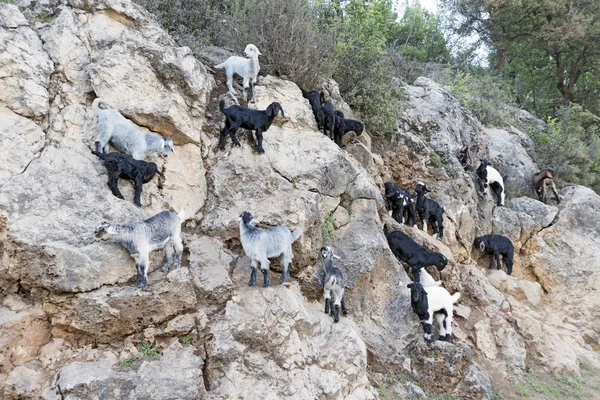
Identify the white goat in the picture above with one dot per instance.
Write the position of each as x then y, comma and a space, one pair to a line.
260, 244
142, 237
247, 68
116, 129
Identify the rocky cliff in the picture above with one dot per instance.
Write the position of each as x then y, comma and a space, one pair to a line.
72, 324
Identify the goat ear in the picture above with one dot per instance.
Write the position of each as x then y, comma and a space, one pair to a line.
482, 246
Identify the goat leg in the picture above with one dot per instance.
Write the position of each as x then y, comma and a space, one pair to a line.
344, 310
138, 281
169, 258
252, 276
336, 313
555, 192
266, 280
222, 137
234, 138
327, 305
259, 140
139, 181
497, 256
113, 180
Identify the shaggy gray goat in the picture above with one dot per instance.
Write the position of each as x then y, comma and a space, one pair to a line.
334, 285
116, 129
261, 244
247, 68
142, 237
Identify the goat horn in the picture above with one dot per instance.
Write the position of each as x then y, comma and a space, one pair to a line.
173, 150
337, 257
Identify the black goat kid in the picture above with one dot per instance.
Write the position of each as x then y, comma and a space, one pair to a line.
407, 250
344, 125
429, 210
124, 166
241, 117
314, 99
495, 245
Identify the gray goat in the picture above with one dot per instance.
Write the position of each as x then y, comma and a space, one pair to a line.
128, 139
334, 285
142, 237
261, 244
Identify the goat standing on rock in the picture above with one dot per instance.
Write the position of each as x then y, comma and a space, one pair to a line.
334, 285
241, 117
142, 237
247, 68
261, 244
407, 250
495, 245
540, 183
433, 301
124, 166
429, 210
114, 128
490, 177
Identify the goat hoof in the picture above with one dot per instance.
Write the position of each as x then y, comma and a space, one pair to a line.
336, 319
251, 283
165, 269
266, 284
261, 151
345, 312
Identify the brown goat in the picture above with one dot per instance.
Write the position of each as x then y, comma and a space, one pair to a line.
540, 183
468, 156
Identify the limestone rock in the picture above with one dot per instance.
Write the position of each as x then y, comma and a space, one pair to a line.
177, 374
519, 288
26, 68
112, 313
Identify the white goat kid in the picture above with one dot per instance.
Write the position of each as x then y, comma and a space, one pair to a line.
247, 68
125, 137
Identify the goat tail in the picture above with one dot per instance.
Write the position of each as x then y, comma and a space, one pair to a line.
455, 297
222, 65
296, 234
95, 104
222, 105
181, 214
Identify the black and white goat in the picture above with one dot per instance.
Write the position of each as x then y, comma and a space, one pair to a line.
490, 177
344, 125
333, 287
142, 237
261, 244
496, 245
124, 166
241, 117
429, 210
433, 301
400, 203
114, 128
409, 251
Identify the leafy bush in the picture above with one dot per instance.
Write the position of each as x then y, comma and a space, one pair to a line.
486, 96
288, 36
571, 146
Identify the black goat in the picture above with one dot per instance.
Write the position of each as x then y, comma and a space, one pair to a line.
399, 201
328, 116
344, 125
409, 251
429, 210
495, 245
490, 177
314, 99
241, 117
124, 166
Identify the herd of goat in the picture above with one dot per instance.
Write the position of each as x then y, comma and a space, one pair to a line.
428, 299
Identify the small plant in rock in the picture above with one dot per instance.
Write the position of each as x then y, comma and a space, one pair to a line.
521, 390
187, 339
436, 160
148, 350
327, 229
128, 362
